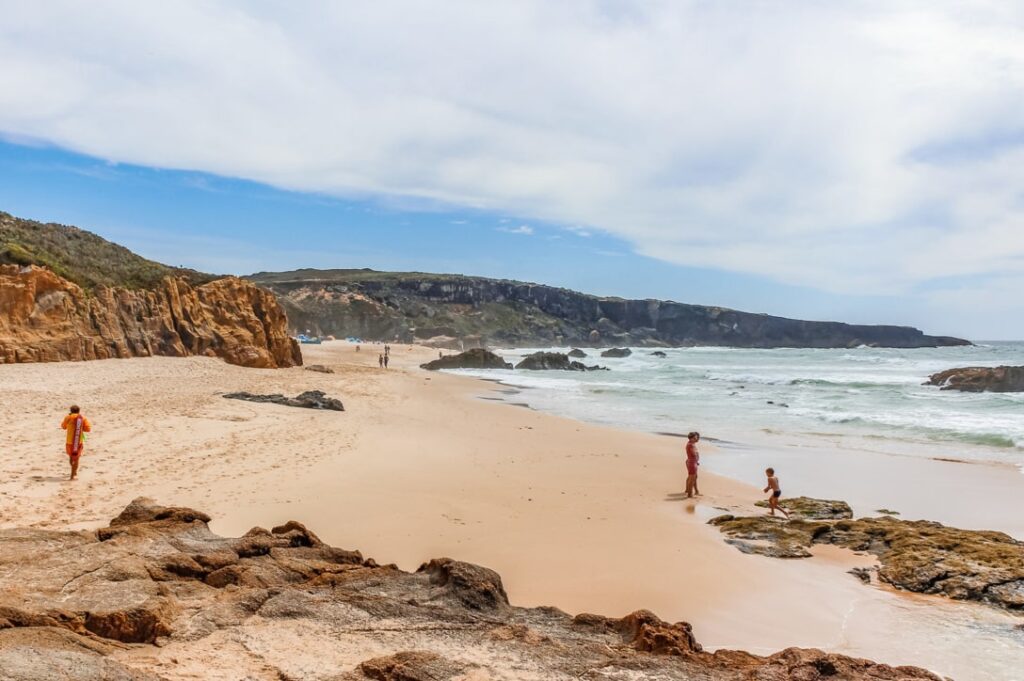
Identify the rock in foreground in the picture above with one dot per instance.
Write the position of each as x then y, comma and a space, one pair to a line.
477, 358
915, 555
310, 399
1004, 379
156, 595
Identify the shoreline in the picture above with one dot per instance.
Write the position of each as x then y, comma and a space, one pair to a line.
982, 495
572, 515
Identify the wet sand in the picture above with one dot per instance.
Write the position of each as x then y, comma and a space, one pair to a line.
581, 517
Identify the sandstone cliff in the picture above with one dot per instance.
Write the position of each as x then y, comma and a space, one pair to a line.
157, 596
46, 318
479, 311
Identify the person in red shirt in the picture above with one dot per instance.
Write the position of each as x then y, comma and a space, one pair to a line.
77, 426
692, 461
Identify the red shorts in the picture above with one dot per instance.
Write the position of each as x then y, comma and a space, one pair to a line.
68, 447
691, 467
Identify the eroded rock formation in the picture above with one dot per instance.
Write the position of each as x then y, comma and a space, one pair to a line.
46, 318
158, 596
477, 358
1004, 379
915, 555
617, 352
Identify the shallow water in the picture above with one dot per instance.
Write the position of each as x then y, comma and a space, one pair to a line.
740, 394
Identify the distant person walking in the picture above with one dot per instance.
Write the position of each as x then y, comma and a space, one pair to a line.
380, 360
776, 493
692, 461
76, 426
386, 358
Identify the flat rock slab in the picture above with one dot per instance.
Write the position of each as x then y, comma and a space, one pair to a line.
311, 399
915, 555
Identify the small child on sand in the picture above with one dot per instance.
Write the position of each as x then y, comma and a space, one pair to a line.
773, 485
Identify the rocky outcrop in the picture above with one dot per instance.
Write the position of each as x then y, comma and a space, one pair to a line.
576, 353
479, 311
553, 361
617, 352
477, 358
45, 318
157, 595
659, 354
1004, 379
310, 399
915, 555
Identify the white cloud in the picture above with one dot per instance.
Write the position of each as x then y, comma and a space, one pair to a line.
521, 229
866, 147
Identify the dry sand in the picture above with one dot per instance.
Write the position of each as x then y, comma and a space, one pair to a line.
573, 515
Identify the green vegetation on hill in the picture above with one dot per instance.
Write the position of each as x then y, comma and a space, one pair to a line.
81, 256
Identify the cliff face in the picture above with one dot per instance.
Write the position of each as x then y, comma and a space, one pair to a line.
157, 596
46, 318
476, 311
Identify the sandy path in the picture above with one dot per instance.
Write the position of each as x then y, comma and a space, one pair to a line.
578, 516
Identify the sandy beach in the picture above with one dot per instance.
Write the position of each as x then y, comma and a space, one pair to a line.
422, 465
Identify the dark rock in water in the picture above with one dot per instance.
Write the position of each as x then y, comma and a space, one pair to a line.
577, 353
1004, 379
320, 368
477, 358
658, 353
617, 352
311, 399
916, 555
553, 361
86, 605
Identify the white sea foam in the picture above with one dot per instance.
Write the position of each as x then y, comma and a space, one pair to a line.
733, 392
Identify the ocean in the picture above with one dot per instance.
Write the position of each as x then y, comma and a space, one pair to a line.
743, 396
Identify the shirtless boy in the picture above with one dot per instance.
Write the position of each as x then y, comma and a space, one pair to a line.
773, 500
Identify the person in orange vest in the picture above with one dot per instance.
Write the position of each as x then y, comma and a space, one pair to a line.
77, 426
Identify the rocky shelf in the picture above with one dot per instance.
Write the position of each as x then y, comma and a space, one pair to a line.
157, 596
915, 555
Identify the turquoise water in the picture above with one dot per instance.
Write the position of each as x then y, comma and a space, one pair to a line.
738, 395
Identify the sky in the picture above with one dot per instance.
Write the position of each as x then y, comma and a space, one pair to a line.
857, 161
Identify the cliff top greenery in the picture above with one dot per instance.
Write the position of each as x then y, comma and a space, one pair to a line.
350, 276
80, 256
